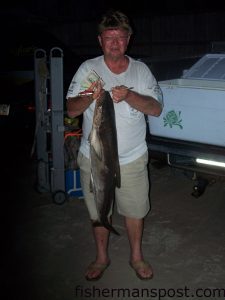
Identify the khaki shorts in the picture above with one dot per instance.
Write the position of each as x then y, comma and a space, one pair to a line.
132, 198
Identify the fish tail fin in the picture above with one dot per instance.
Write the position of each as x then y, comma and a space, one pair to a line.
108, 226
105, 223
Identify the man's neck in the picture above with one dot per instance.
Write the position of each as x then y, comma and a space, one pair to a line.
117, 65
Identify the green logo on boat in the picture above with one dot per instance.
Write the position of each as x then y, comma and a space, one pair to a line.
173, 119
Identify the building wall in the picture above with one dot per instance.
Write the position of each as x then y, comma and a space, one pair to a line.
172, 36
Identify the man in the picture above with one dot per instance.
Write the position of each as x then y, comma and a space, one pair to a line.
135, 93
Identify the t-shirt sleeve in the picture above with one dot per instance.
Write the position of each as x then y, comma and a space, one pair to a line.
149, 85
75, 86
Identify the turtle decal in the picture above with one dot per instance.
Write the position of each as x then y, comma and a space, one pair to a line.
173, 119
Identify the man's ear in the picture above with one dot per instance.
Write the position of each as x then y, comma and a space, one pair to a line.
100, 39
128, 41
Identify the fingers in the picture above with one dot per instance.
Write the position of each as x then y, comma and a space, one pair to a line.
97, 90
119, 93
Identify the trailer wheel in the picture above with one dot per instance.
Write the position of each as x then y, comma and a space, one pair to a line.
59, 197
199, 187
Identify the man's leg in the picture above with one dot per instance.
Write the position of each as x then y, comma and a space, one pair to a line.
135, 231
101, 236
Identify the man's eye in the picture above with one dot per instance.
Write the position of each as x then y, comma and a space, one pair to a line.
117, 38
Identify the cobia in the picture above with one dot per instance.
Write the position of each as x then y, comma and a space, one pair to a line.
105, 169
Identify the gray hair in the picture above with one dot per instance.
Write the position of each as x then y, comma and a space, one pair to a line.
114, 19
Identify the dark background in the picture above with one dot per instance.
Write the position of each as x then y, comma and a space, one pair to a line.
163, 30
170, 36
156, 23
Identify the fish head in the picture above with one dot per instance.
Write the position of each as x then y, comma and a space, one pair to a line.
104, 109
98, 113
97, 116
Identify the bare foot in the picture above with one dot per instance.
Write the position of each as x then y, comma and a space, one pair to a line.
142, 269
95, 271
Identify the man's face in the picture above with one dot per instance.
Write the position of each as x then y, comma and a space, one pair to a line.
114, 42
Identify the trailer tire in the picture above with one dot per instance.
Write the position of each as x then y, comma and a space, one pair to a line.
59, 197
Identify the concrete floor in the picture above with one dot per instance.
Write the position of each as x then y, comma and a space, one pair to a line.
47, 247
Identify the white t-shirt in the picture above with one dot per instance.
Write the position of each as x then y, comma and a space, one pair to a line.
130, 123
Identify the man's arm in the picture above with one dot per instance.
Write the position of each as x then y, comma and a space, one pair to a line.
146, 104
78, 104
